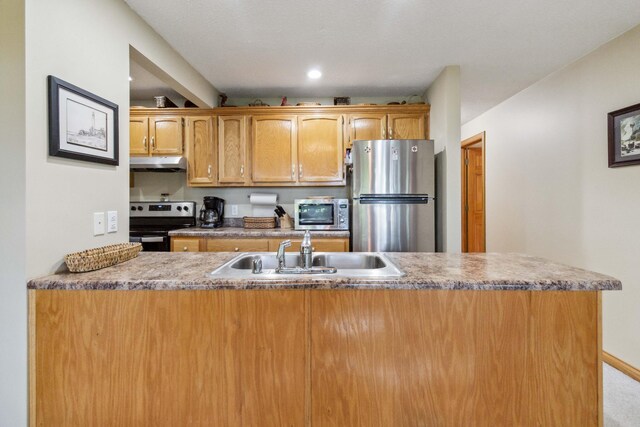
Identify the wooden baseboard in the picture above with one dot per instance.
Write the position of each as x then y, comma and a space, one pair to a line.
621, 365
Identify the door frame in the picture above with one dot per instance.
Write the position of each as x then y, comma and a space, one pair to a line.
475, 140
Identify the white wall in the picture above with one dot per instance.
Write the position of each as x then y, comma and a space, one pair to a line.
149, 186
13, 293
549, 190
62, 194
444, 97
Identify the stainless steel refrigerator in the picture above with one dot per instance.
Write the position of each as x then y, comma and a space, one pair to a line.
393, 196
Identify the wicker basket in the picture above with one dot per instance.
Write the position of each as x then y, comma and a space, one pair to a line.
259, 222
105, 256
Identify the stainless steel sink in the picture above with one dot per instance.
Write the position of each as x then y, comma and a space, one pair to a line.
348, 264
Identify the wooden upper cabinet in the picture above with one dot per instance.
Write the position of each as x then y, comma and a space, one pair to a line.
138, 136
320, 148
165, 134
367, 126
201, 153
273, 149
232, 149
406, 126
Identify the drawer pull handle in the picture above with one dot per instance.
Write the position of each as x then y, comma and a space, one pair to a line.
144, 142
153, 143
236, 249
185, 249
209, 171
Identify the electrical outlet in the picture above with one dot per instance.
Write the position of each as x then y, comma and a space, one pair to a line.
112, 221
98, 223
234, 210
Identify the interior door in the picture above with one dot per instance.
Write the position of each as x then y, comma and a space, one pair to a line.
406, 126
320, 148
138, 136
473, 195
166, 135
273, 149
232, 149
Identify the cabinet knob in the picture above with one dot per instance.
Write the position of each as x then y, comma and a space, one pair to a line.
236, 249
185, 249
313, 248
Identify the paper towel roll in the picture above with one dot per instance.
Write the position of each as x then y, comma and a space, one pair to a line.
263, 204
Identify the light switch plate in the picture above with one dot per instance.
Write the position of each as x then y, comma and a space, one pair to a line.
98, 223
112, 221
234, 210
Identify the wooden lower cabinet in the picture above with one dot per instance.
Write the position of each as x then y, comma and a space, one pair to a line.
315, 357
195, 244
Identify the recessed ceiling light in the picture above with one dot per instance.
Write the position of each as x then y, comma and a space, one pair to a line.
314, 74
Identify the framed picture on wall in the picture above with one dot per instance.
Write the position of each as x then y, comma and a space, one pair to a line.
82, 126
624, 136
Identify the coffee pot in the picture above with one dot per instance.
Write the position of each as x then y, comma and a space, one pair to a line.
212, 212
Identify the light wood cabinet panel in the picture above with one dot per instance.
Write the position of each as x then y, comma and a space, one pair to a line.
237, 245
169, 358
367, 126
185, 244
201, 152
232, 149
406, 126
319, 244
320, 148
138, 136
165, 134
273, 149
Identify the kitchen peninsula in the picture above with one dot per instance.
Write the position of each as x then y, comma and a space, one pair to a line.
460, 339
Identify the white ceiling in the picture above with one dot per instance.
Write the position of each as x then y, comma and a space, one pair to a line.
262, 48
145, 85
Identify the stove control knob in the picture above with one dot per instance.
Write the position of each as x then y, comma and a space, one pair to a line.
139, 208
179, 208
133, 208
186, 208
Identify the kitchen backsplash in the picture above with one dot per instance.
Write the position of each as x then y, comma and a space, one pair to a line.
148, 186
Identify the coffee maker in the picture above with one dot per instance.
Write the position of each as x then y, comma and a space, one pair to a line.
212, 212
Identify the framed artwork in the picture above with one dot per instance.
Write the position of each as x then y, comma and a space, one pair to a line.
82, 126
624, 136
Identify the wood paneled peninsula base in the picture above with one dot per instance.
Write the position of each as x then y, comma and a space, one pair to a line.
354, 354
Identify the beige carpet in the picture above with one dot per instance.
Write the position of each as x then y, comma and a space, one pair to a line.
621, 399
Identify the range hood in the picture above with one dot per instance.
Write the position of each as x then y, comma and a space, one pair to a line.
158, 164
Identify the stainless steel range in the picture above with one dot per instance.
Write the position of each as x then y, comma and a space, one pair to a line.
150, 222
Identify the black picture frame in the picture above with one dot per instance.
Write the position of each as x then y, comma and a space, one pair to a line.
72, 134
624, 136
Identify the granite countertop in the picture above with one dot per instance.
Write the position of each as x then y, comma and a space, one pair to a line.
493, 271
239, 232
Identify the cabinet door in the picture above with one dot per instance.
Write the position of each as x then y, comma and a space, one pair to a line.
138, 136
201, 151
406, 126
320, 148
367, 126
273, 149
165, 134
232, 149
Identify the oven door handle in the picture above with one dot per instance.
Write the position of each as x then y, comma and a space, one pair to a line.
159, 239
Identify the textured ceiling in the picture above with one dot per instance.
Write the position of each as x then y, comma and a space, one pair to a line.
254, 48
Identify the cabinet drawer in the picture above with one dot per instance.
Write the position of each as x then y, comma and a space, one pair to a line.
185, 244
237, 245
319, 245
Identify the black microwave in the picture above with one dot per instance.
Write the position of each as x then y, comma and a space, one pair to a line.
321, 214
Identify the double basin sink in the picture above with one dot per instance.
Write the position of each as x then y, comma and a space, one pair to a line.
325, 264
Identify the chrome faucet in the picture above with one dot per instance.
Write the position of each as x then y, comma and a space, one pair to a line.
306, 251
280, 254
